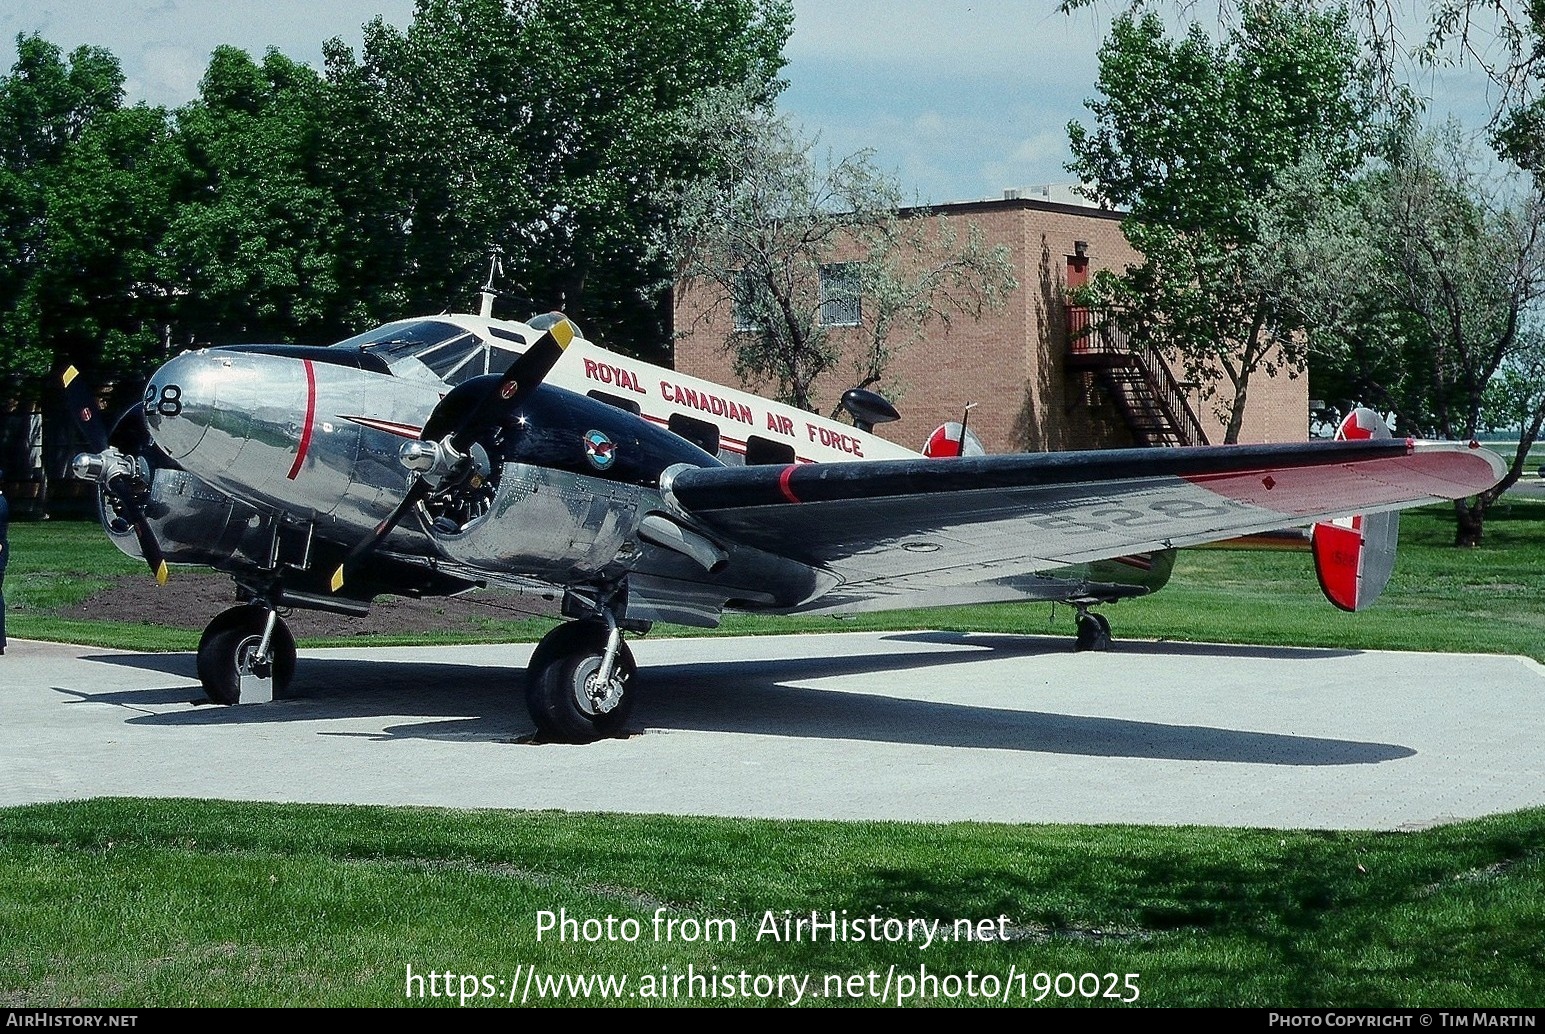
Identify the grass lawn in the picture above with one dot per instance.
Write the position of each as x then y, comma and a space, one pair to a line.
169, 903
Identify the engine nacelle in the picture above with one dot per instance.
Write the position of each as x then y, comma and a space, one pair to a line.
550, 524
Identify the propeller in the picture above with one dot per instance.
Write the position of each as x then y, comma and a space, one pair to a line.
84, 411
111, 469
443, 465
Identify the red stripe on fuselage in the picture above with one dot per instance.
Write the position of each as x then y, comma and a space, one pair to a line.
311, 412
387, 426
783, 484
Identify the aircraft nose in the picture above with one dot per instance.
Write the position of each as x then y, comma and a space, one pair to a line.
187, 407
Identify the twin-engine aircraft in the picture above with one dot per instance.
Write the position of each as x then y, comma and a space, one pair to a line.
433, 456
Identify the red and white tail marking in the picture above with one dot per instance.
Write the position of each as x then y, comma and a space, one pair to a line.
1355, 556
953, 439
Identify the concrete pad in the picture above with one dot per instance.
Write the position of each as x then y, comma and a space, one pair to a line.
926, 726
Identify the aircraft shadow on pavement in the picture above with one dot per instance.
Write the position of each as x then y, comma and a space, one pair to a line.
477, 702
694, 697
184, 664
752, 697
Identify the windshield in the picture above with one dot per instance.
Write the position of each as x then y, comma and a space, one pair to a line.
447, 352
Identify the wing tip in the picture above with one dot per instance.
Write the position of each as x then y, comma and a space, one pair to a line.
1496, 466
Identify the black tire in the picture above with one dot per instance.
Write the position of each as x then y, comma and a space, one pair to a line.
560, 690
224, 653
569, 637
1093, 632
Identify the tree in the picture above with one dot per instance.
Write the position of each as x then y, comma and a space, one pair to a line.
1514, 402
1454, 264
1194, 139
254, 242
798, 248
544, 126
83, 198
46, 104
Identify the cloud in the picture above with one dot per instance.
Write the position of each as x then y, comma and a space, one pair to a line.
157, 41
170, 73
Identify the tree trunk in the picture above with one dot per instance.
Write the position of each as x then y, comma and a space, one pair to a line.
1236, 415
1470, 521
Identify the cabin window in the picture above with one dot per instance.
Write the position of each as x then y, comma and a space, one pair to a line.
615, 400
840, 295
761, 451
699, 432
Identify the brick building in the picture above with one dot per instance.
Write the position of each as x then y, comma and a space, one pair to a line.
1040, 381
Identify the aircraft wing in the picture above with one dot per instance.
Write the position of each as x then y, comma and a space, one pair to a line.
892, 526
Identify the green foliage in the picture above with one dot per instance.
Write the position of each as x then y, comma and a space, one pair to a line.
61, 120
1455, 260
1194, 139
546, 128
1451, 262
285, 205
1514, 399
255, 235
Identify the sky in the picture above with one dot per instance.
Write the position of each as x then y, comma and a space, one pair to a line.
959, 99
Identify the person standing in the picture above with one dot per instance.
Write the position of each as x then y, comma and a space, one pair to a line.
5, 555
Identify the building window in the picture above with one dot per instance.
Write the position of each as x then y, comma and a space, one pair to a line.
840, 295
746, 314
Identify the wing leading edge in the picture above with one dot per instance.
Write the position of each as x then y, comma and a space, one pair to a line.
889, 526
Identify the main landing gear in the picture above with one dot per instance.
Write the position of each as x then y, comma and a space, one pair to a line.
579, 683
1093, 630
246, 654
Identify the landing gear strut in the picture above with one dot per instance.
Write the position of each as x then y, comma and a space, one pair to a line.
579, 683
246, 652
1093, 630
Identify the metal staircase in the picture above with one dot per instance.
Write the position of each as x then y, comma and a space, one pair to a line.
1136, 377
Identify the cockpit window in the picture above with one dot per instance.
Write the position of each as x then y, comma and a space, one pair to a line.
447, 352
400, 339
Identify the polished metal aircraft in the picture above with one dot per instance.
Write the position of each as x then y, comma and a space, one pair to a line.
433, 456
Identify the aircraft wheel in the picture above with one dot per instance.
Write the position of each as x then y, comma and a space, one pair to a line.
1093, 632
562, 694
227, 649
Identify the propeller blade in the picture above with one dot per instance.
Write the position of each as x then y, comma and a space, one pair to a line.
122, 493
84, 410
523, 377
415, 495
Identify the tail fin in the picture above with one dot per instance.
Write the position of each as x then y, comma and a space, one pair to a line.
1354, 556
953, 439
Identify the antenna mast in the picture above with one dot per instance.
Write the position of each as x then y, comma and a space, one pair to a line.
495, 268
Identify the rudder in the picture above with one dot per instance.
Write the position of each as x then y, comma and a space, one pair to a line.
1355, 556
